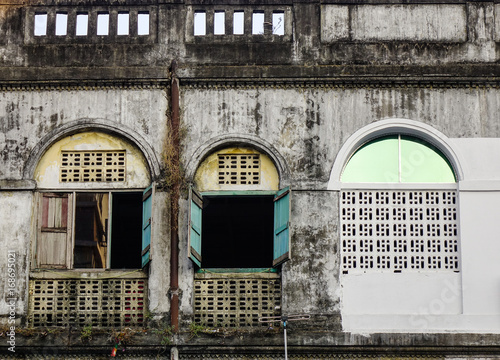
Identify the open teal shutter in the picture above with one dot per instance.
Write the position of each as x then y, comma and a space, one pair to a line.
281, 252
194, 238
147, 200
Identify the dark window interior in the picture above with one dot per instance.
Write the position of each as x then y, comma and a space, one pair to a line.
237, 231
126, 231
91, 219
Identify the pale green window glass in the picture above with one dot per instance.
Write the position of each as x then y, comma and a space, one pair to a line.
393, 159
376, 161
422, 163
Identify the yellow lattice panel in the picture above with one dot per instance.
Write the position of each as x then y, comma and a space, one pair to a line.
93, 166
239, 169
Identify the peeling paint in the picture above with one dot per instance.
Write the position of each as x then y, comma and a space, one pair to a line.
47, 172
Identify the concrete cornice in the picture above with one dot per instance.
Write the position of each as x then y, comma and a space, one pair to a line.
336, 76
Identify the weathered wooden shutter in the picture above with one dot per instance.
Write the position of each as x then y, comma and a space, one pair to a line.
54, 230
281, 252
147, 201
194, 237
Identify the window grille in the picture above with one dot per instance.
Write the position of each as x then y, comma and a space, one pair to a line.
236, 301
100, 303
399, 231
93, 166
239, 169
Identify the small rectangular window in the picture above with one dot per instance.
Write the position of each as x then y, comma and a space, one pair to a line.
258, 23
61, 24
200, 23
279, 23
103, 24
238, 23
143, 23
41, 24
82, 24
219, 23
123, 24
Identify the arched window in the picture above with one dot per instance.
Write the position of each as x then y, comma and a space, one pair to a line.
238, 237
239, 212
398, 159
398, 208
93, 217
91, 205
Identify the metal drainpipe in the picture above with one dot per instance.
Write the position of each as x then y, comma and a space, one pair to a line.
174, 203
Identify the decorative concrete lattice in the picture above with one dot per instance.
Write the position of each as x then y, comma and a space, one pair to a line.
399, 231
236, 302
92, 166
100, 303
239, 169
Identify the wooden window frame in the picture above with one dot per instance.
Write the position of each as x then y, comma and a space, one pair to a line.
41, 244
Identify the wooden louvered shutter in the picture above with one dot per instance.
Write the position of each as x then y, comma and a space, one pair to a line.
54, 230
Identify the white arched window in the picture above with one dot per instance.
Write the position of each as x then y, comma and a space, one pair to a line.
398, 208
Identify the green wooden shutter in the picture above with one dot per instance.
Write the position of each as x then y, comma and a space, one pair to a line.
281, 252
147, 200
194, 236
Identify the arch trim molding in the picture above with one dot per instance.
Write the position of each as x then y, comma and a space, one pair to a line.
83, 125
229, 140
388, 127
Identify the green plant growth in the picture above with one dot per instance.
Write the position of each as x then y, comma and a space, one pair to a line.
165, 334
196, 329
86, 333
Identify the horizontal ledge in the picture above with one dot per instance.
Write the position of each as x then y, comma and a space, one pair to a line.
17, 185
479, 185
231, 274
393, 186
87, 274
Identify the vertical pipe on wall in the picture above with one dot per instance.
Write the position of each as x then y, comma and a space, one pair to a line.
174, 208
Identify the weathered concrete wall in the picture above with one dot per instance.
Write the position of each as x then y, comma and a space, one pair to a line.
159, 276
309, 126
16, 229
314, 34
311, 278
300, 97
31, 121
433, 23
28, 118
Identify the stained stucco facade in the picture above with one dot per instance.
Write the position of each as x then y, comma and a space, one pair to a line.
322, 80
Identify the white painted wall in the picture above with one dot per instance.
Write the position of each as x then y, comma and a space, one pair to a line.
468, 301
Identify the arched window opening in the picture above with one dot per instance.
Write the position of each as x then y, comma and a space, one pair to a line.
91, 215
404, 228
398, 159
238, 212
238, 230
